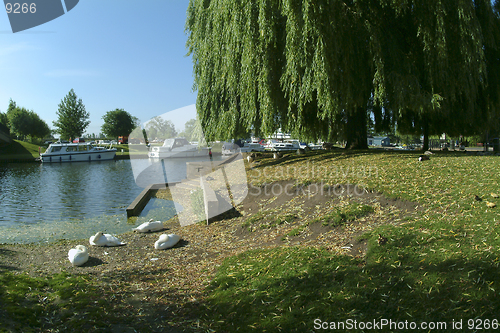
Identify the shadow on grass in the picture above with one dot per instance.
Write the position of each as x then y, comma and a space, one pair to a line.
288, 289
4, 253
119, 301
93, 261
15, 150
337, 155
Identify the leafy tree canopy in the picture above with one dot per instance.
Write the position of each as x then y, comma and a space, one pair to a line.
311, 67
23, 123
118, 123
72, 117
188, 130
159, 128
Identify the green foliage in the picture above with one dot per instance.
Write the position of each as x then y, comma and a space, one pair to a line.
188, 131
4, 120
72, 117
118, 123
23, 122
19, 121
159, 128
311, 68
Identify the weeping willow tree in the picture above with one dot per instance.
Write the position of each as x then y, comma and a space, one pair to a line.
296, 65
312, 68
433, 73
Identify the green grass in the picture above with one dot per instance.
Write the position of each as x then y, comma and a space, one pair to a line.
294, 232
267, 220
338, 216
19, 150
439, 265
37, 302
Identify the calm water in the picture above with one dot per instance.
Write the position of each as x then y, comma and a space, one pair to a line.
47, 202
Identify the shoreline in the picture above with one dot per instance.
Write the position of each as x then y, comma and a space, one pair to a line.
37, 159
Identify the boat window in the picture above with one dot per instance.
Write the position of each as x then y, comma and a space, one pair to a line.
71, 148
168, 143
180, 142
82, 148
55, 149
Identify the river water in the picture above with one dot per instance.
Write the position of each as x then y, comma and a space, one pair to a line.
42, 202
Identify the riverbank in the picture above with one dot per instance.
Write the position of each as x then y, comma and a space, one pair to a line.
414, 245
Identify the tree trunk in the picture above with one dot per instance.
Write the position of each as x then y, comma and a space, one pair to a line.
356, 129
426, 136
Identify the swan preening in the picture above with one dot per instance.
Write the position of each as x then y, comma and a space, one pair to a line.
78, 256
149, 226
167, 241
101, 239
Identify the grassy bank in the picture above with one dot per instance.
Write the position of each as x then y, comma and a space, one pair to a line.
439, 265
19, 151
442, 266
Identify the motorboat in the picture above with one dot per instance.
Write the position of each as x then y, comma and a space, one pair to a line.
285, 145
229, 148
178, 147
76, 152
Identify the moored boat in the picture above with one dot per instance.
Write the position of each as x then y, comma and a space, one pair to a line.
76, 152
229, 148
284, 145
178, 147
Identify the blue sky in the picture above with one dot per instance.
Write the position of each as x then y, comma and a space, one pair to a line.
114, 54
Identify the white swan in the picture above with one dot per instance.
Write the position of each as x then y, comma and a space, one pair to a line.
167, 241
101, 239
78, 256
150, 226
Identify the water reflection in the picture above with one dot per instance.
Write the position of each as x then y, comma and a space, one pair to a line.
45, 202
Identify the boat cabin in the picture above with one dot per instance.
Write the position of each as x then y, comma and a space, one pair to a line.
68, 147
175, 143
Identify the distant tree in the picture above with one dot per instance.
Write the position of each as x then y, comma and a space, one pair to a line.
4, 120
12, 105
25, 123
160, 128
118, 123
40, 129
188, 129
19, 122
72, 117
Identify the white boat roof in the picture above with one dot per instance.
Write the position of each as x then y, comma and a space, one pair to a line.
170, 142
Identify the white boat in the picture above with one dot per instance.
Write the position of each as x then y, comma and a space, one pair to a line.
285, 145
229, 148
76, 152
178, 147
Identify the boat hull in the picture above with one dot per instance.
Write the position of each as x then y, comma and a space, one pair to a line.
103, 155
247, 148
179, 154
